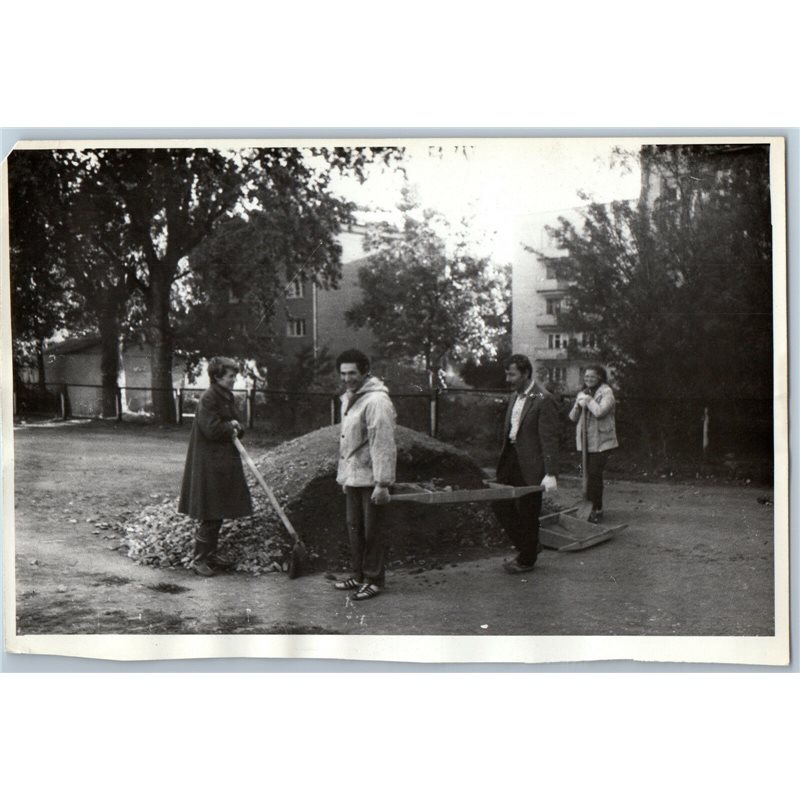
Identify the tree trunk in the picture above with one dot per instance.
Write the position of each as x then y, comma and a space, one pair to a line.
108, 325
161, 338
41, 379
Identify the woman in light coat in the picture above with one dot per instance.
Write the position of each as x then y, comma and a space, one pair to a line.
594, 407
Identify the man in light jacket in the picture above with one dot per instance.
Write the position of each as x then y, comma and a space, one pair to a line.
367, 462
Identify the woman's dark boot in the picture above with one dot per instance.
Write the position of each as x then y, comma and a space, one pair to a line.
219, 562
200, 564
205, 544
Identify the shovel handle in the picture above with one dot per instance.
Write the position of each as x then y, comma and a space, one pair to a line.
260, 478
585, 452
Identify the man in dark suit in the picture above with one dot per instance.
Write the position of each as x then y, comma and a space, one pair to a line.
529, 458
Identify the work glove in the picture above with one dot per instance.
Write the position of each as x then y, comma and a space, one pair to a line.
380, 496
583, 399
550, 483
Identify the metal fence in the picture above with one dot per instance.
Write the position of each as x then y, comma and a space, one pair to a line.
468, 418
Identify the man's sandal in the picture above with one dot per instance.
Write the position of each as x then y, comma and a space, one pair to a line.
350, 583
367, 591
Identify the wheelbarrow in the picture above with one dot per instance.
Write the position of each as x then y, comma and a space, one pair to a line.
564, 531
561, 531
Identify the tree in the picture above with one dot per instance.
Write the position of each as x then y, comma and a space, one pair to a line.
240, 272
134, 219
102, 269
41, 300
677, 288
427, 301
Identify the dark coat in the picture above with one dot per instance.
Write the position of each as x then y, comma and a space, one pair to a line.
214, 486
537, 443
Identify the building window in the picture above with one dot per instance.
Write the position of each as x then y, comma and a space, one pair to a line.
555, 341
553, 305
588, 341
295, 328
295, 289
557, 374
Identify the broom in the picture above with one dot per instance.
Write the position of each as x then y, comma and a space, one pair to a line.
299, 554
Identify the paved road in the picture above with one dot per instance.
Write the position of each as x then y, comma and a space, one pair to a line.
695, 560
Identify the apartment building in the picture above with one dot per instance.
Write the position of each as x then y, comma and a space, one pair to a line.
538, 294
309, 317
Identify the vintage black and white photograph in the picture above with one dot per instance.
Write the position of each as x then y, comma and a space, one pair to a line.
512, 399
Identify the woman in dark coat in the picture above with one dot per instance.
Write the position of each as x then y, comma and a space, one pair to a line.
214, 487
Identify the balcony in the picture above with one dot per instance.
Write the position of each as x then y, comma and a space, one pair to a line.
551, 285
546, 320
550, 354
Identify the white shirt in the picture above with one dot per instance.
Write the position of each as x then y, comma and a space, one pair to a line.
516, 412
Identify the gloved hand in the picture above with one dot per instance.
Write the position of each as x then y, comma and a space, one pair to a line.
238, 430
380, 496
550, 483
582, 399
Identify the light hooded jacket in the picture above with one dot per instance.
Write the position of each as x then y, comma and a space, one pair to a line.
367, 449
601, 431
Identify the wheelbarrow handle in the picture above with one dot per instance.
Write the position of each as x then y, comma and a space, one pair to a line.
497, 492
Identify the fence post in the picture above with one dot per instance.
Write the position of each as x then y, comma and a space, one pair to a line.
705, 432
434, 408
333, 410
62, 396
180, 406
118, 397
251, 407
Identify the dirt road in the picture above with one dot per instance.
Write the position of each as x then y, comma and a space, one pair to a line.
695, 560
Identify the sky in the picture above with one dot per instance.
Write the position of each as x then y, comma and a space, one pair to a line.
492, 181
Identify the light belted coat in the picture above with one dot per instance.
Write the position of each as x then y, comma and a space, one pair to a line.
601, 431
367, 448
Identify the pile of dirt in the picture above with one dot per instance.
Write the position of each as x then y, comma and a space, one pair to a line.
302, 474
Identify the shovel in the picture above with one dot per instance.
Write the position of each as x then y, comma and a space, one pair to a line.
585, 508
299, 554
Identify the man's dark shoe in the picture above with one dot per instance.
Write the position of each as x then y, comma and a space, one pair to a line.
367, 592
515, 568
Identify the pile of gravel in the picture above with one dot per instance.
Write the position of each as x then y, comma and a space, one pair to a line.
302, 473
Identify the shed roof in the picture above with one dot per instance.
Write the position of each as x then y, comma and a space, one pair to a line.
73, 345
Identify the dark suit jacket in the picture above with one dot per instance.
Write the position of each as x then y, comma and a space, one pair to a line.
538, 436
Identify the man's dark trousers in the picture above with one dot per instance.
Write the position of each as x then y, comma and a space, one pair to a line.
367, 537
519, 518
